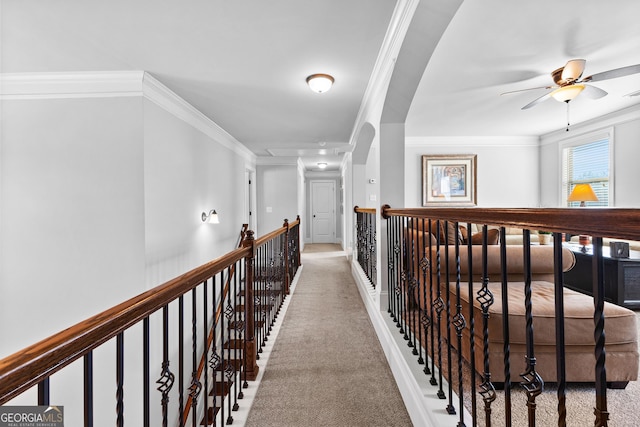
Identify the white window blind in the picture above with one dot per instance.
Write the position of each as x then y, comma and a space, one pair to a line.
587, 164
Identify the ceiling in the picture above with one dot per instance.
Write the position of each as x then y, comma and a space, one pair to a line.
243, 63
495, 46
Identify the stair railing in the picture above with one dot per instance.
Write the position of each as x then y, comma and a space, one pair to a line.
366, 242
204, 287
424, 285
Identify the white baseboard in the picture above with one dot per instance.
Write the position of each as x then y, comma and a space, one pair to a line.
419, 396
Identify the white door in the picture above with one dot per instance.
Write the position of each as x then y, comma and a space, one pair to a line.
323, 211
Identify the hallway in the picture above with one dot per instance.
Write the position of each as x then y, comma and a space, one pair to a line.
326, 367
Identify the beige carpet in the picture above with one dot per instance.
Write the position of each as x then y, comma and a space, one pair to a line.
327, 367
623, 405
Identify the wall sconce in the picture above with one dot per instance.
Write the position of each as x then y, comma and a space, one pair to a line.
211, 218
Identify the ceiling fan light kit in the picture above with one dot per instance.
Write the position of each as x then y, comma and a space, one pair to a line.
569, 84
567, 93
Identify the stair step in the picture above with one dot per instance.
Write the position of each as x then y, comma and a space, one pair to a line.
239, 344
236, 363
211, 417
221, 388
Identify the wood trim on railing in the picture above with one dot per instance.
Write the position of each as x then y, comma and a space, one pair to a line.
619, 223
24, 369
275, 233
358, 209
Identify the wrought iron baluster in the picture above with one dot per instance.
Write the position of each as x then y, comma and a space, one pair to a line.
120, 379
424, 319
229, 313
505, 327
237, 336
450, 409
215, 358
485, 298
459, 323
532, 383
88, 389
165, 382
43, 392
438, 305
205, 347
472, 329
181, 357
432, 380
196, 385
146, 375
560, 350
600, 411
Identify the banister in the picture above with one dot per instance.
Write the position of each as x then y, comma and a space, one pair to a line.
275, 233
358, 209
619, 223
25, 368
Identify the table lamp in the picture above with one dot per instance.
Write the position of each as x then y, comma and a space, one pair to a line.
583, 193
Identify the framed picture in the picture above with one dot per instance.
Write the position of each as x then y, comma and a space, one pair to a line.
449, 180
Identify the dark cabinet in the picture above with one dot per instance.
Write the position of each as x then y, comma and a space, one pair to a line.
621, 276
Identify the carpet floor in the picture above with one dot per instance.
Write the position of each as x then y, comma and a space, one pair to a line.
327, 367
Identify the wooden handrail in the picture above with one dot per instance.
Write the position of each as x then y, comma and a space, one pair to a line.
358, 209
277, 232
619, 223
25, 368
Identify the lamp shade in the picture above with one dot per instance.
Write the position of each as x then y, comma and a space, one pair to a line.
567, 93
582, 193
320, 83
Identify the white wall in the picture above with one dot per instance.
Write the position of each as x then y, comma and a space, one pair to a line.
72, 218
507, 168
100, 199
277, 196
625, 127
186, 173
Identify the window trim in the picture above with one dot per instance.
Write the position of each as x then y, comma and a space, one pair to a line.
582, 139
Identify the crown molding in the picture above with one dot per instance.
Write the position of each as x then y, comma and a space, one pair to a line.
277, 161
171, 102
95, 84
111, 84
472, 141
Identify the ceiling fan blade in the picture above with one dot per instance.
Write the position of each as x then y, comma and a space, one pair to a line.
593, 92
537, 101
573, 70
613, 74
524, 90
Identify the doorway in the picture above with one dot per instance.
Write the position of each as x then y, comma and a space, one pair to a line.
323, 211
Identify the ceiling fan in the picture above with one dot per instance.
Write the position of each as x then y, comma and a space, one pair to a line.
568, 83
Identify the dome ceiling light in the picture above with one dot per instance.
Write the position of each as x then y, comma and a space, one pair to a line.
320, 83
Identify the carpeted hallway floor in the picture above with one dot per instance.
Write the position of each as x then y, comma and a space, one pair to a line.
327, 367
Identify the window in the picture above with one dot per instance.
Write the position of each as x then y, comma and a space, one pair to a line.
587, 162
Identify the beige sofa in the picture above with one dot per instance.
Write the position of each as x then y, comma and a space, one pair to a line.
621, 348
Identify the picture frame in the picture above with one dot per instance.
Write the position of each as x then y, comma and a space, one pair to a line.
449, 180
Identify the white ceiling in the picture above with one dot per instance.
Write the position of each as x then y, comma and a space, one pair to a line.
494, 46
243, 63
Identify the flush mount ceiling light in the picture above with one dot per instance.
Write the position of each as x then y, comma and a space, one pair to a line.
322, 165
320, 83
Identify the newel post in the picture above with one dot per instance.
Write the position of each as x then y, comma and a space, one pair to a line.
287, 280
249, 316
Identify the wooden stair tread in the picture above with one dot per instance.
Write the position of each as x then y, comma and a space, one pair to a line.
212, 412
